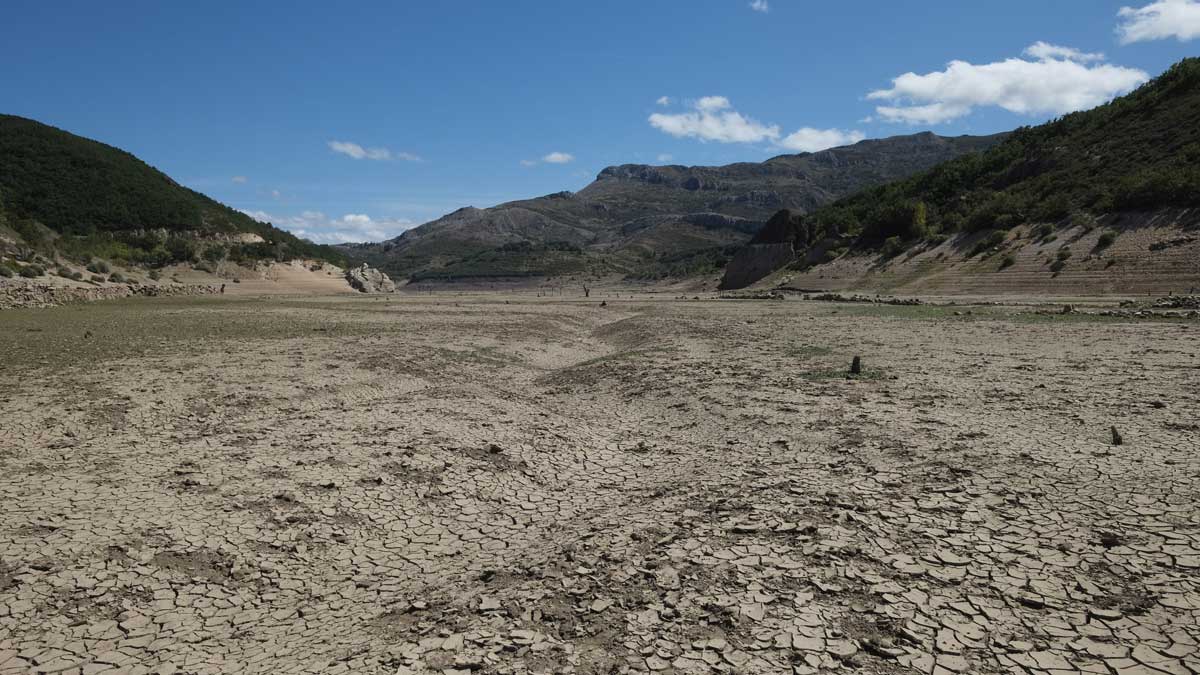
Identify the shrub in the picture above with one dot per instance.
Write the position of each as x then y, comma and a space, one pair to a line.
1008, 261
64, 272
1064, 254
155, 275
31, 271
993, 240
116, 278
97, 279
1083, 219
77, 275
892, 247
1106, 239
99, 267
5, 270
1042, 231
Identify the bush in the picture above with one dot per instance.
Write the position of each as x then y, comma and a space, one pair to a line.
31, 271
993, 240
1083, 219
1042, 231
77, 275
892, 247
64, 272
899, 220
215, 253
99, 267
155, 275
116, 278
1008, 261
6, 271
97, 279
1106, 240
1064, 254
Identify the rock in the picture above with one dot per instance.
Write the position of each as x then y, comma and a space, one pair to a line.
367, 279
771, 248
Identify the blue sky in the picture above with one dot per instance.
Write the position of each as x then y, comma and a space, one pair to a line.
353, 121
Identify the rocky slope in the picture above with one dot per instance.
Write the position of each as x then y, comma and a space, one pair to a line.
638, 219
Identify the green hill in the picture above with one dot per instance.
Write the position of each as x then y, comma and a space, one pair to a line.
77, 197
1139, 152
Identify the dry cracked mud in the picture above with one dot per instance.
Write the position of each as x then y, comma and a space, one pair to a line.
472, 484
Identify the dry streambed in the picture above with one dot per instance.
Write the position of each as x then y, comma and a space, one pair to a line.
423, 485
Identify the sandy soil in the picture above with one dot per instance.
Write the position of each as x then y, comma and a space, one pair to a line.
431, 484
297, 277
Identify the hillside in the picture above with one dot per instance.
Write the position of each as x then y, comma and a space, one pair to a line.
651, 221
1134, 162
79, 198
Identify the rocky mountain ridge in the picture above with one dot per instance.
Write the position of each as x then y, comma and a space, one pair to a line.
641, 219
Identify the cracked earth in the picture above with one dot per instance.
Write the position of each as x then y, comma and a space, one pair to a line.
453, 485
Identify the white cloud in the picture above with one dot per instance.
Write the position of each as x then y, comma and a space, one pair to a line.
760, 6
1179, 19
1044, 50
713, 118
664, 157
1058, 81
559, 158
241, 180
808, 139
529, 162
357, 151
663, 100
352, 227
713, 103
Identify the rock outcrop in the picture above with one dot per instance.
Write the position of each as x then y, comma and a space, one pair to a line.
755, 261
774, 246
367, 279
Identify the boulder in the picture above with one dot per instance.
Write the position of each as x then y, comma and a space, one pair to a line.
367, 279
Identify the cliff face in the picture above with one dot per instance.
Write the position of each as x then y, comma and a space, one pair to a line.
755, 261
774, 246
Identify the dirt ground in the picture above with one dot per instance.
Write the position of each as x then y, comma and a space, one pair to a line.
475, 484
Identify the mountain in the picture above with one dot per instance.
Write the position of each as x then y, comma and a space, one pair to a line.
82, 198
652, 220
1127, 162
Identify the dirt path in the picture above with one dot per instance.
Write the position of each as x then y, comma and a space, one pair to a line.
420, 485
